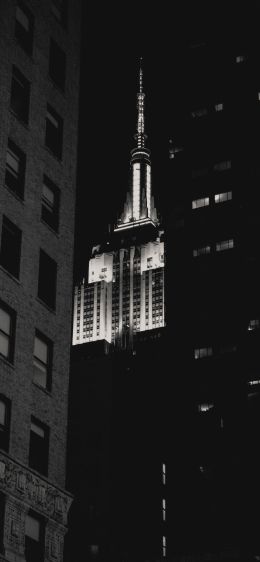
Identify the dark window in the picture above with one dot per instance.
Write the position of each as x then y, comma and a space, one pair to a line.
59, 10
50, 203
42, 360
54, 131
2, 520
10, 247
34, 537
15, 168
47, 279
39, 446
4, 422
20, 95
24, 22
7, 331
57, 65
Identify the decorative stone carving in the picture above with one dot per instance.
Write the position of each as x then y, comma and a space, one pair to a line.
20, 482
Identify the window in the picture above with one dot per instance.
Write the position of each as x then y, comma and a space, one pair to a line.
5, 408
20, 95
164, 546
164, 473
15, 168
42, 360
199, 112
10, 247
59, 10
7, 331
205, 407
164, 509
224, 245
54, 131
47, 279
50, 203
253, 324
201, 352
221, 166
24, 23
39, 446
219, 106
240, 58
34, 537
2, 523
57, 65
203, 202
222, 197
201, 251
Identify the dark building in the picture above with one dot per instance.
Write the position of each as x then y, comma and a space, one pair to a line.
39, 66
212, 311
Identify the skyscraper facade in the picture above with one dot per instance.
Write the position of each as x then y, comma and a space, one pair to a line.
39, 65
124, 294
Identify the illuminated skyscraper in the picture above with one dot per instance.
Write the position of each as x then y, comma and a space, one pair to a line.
125, 290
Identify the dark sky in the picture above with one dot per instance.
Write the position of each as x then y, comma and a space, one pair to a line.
113, 39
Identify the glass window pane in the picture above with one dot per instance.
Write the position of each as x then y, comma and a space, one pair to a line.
4, 345
12, 161
40, 350
48, 195
5, 322
37, 429
2, 412
32, 528
22, 18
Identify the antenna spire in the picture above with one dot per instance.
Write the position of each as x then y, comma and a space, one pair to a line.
140, 134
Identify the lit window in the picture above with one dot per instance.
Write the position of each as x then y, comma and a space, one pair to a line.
219, 107
54, 132
174, 150
201, 352
24, 22
7, 331
225, 245
20, 95
42, 357
57, 64
4, 422
15, 168
221, 166
199, 112
164, 546
50, 203
201, 251
164, 509
253, 324
254, 382
222, 197
205, 407
240, 58
10, 247
34, 538
39, 446
203, 202
258, 96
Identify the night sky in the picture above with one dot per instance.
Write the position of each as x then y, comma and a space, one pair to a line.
113, 41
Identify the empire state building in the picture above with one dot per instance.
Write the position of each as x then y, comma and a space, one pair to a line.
124, 294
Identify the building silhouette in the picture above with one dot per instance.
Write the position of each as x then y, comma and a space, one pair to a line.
39, 45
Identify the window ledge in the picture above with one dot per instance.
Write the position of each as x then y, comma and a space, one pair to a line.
53, 231
57, 87
29, 55
18, 197
45, 305
2, 268
45, 390
7, 362
53, 154
25, 125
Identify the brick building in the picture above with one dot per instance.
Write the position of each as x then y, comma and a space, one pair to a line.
39, 66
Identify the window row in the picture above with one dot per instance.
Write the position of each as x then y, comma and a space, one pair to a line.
24, 34
34, 532
15, 180
219, 247
43, 347
205, 201
222, 166
20, 105
39, 437
10, 257
201, 352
